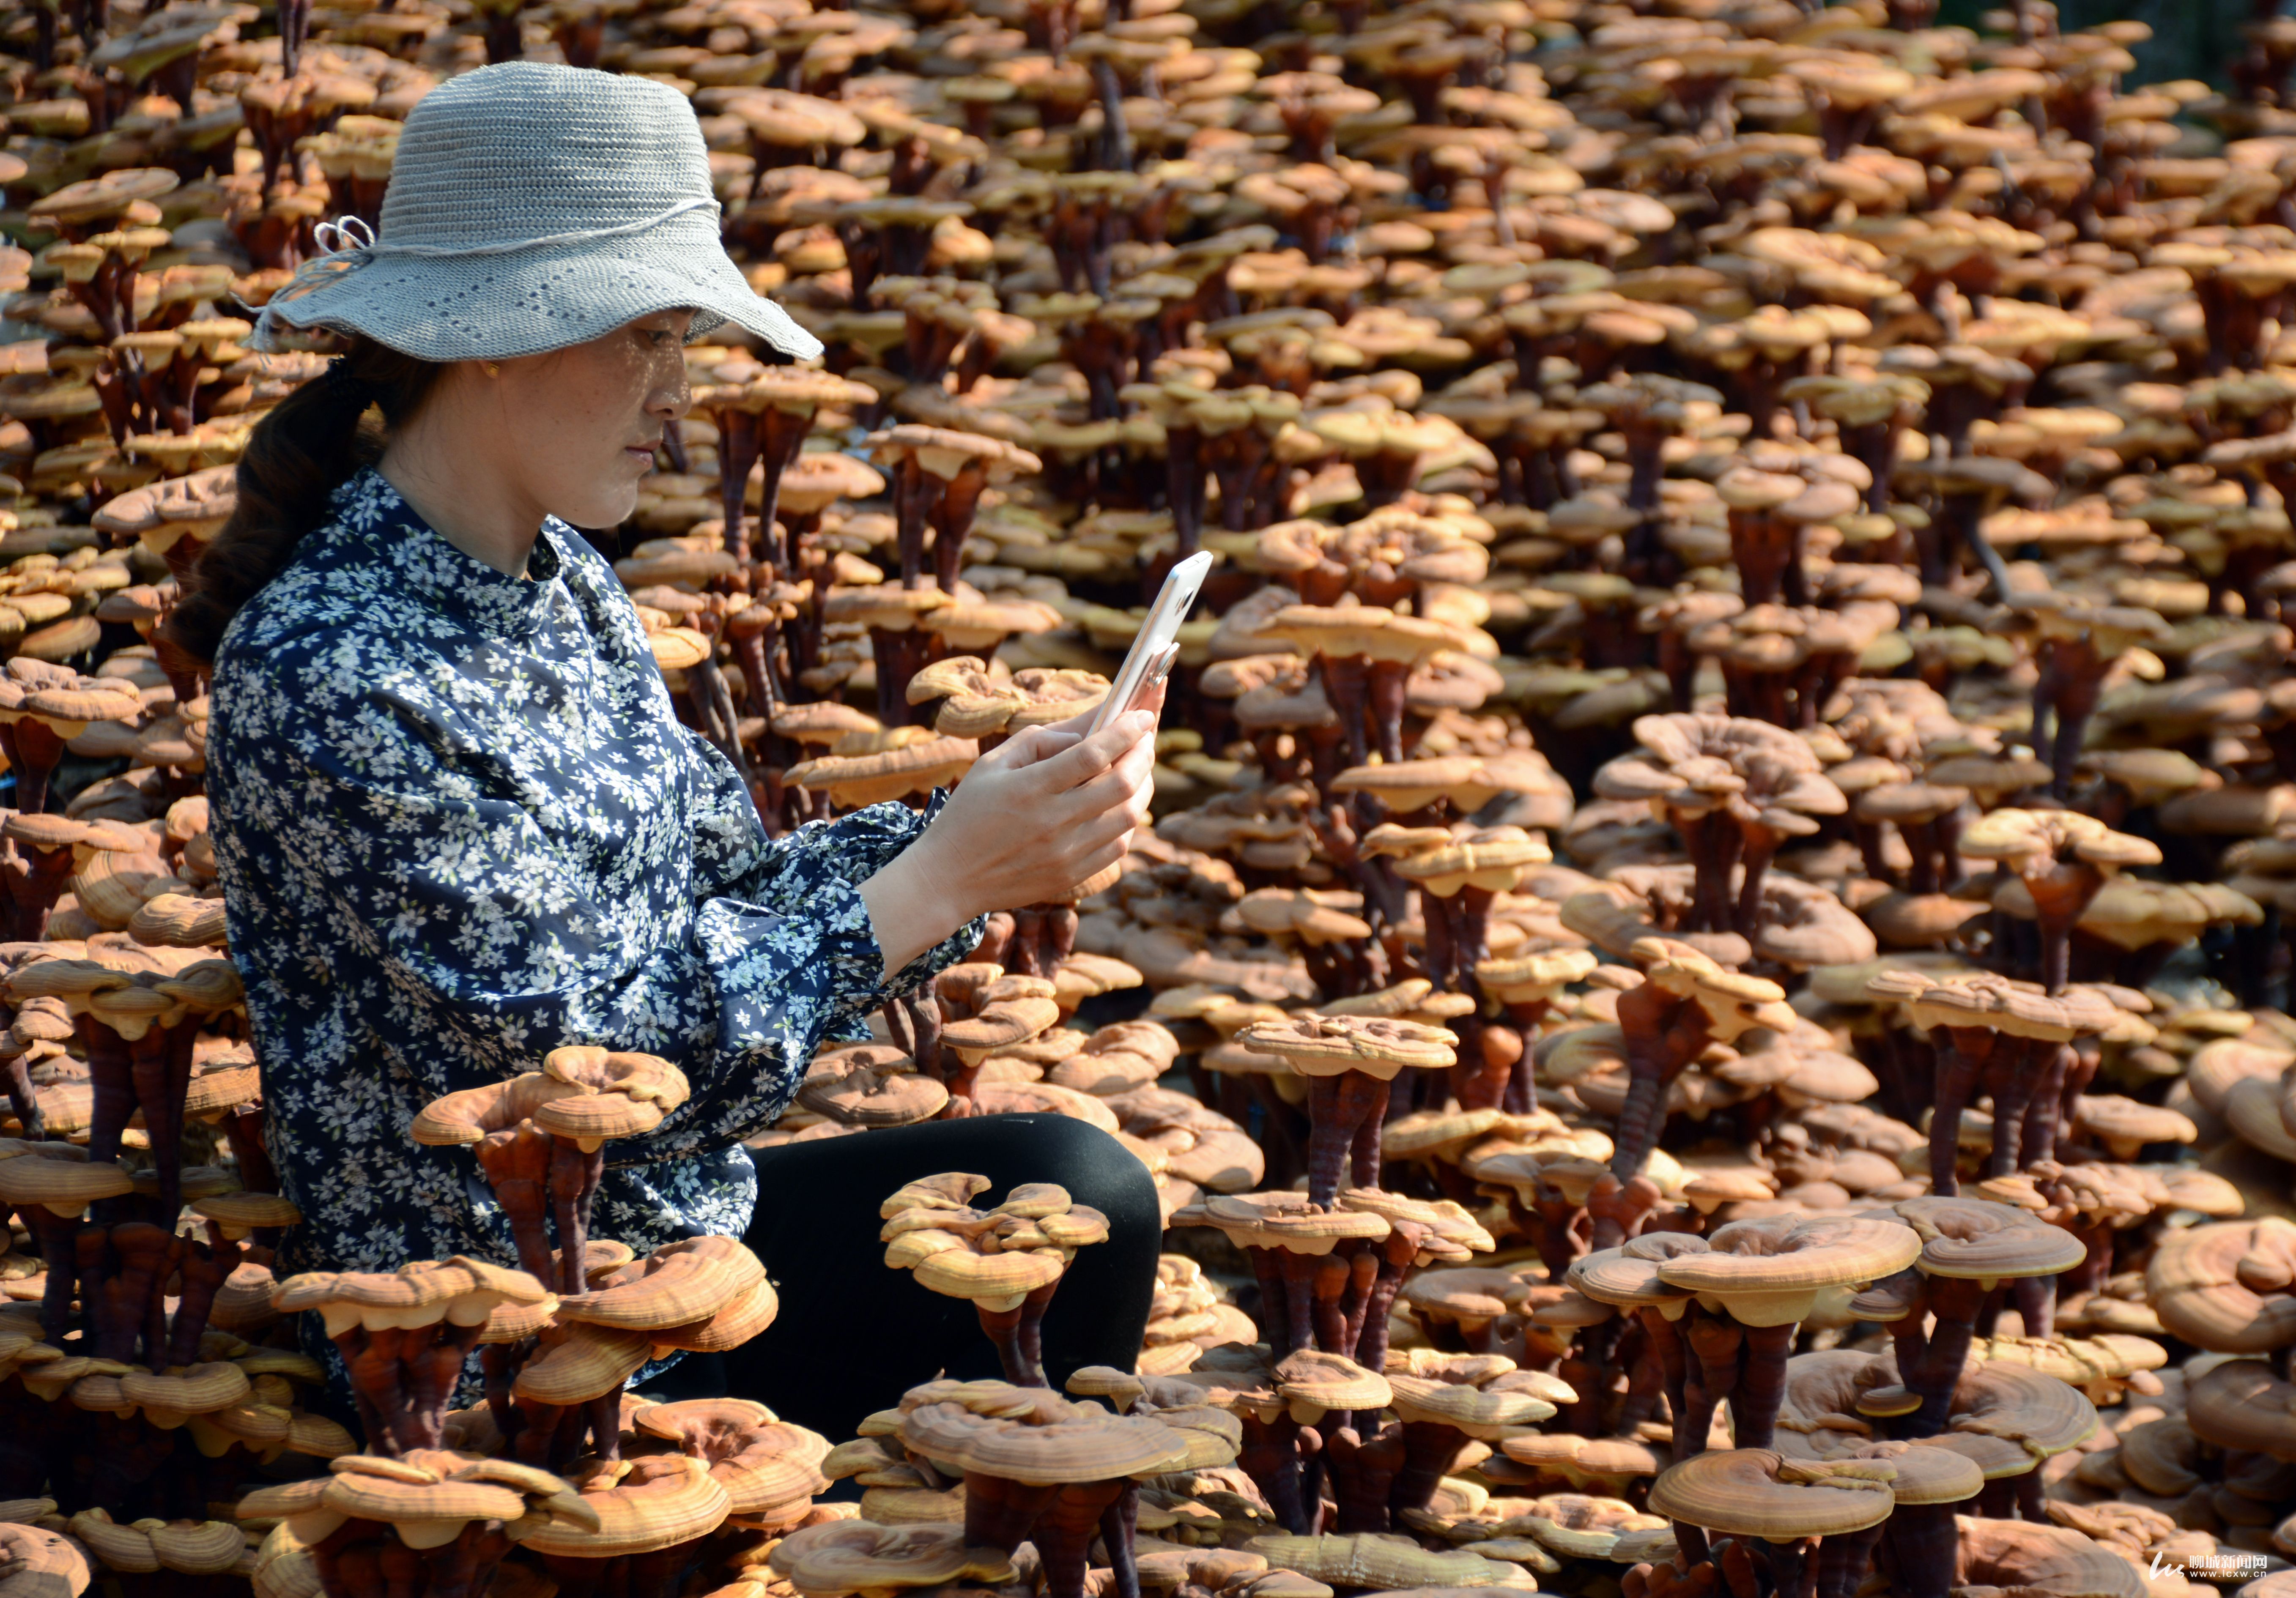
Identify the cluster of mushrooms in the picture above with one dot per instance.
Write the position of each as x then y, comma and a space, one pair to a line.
1708, 998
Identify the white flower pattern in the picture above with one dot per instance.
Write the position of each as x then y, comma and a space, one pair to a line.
458, 826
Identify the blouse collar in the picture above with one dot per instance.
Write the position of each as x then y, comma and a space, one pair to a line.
460, 586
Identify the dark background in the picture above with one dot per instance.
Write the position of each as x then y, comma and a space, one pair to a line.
2191, 38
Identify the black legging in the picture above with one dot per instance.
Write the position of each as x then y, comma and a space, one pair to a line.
854, 1333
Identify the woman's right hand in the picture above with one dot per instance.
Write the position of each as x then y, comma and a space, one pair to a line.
1033, 817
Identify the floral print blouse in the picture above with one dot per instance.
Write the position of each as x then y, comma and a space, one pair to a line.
458, 827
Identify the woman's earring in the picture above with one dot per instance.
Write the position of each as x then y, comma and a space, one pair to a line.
493, 370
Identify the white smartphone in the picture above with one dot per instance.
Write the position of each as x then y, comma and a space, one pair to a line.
1153, 649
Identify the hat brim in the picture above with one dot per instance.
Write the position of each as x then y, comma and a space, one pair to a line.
497, 307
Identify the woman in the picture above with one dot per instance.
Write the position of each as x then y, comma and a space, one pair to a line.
457, 825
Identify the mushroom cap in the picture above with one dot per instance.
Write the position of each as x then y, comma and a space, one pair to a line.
646, 1504
1321, 1046
617, 1094
42, 1563
1371, 1561
1326, 1381
2024, 1556
858, 1094
1735, 1003
1767, 1270
1050, 1442
468, 1115
2029, 839
2018, 1009
676, 1284
2223, 1287
1280, 1220
579, 1361
2242, 1404
64, 1186
1981, 1240
1753, 1492
1628, 1276
1924, 1474
839, 1557
765, 1464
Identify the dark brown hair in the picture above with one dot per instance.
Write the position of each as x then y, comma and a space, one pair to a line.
302, 450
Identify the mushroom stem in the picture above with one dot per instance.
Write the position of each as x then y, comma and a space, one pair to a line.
2036, 1297
1761, 1384
998, 1511
1119, 1527
537, 1436
91, 1257
1793, 1568
1364, 1472
1004, 1329
1271, 1455
516, 1164
1714, 1348
1663, 1033
161, 1063
130, 1297
575, 1172
2045, 1111
24, 1099
1922, 1545
1384, 682
1663, 1339
432, 1370
2071, 678
1955, 1301
33, 748
1347, 685
1761, 844
1274, 1299
112, 1073
1495, 1052
206, 1267
1329, 1285
348, 1561
1960, 1058
374, 1384
465, 1567
1375, 1274
1337, 1105
1299, 1326
1063, 1533
59, 1252
1714, 842
243, 1129
35, 879
1032, 1330
603, 1416
1429, 1450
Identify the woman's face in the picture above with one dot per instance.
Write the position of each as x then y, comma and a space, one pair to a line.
584, 422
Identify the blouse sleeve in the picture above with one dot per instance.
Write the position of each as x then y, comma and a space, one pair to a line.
463, 901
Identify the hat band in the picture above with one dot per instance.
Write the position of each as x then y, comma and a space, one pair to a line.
356, 246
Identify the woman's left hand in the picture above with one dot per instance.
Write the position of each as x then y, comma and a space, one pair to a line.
1048, 808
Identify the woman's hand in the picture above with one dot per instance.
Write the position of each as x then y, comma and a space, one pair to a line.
1035, 816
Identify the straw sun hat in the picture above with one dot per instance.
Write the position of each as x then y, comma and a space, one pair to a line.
531, 207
